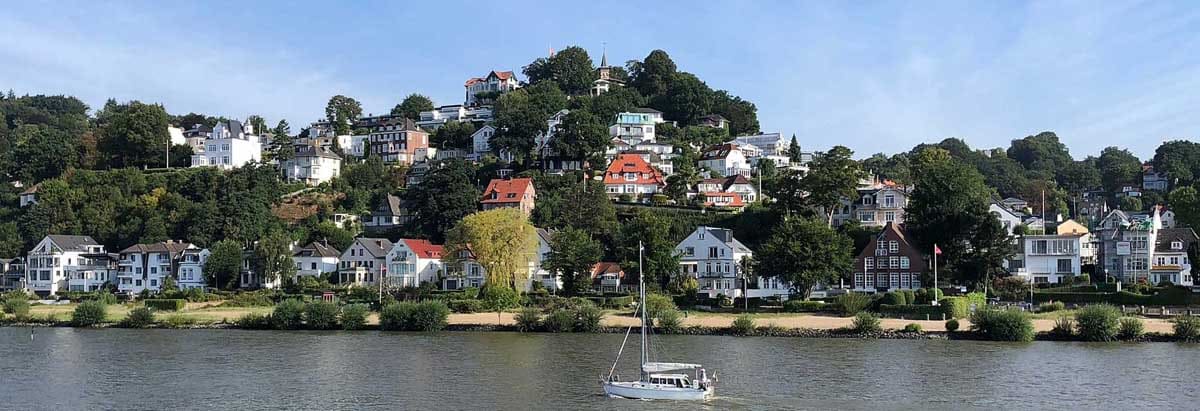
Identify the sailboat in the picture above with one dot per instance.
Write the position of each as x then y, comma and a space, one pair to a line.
657, 380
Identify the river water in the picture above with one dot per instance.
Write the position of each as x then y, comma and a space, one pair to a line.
63, 368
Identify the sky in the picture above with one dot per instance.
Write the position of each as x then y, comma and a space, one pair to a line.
872, 76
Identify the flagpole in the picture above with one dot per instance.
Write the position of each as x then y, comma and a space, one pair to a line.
935, 275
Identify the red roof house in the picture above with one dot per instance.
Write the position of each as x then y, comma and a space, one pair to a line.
515, 193
632, 175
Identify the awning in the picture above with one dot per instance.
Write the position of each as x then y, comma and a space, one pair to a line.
667, 366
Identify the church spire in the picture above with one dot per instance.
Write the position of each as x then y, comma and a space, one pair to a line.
604, 55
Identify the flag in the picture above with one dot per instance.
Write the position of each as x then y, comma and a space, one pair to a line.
936, 250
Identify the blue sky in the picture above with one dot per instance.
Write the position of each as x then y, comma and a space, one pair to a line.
874, 76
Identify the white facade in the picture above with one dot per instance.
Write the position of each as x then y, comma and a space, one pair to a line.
714, 257
636, 127
363, 263
497, 82
1008, 219
65, 262
191, 268
230, 146
1052, 259
146, 266
727, 159
481, 145
771, 144
412, 262
312, 166
433, 119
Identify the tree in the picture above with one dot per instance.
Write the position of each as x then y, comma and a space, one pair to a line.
805, 253
273, 258
223, 266
1179, 160
650, 76
686, 98
1185, 201
412, 106
831, 178
521, 115
742, 115
1129, 203
502, 242
653, 233
794, 152
581, 136
135, 135
572, 254
43, 152
257, 123
570, 201
447, 195
618, 100
786, 192
1041, 153
1080, 176
341, 111
453, 135
1118, 168
680, 184
281, 148
571, 68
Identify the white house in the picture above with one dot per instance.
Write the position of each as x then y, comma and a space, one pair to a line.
315, 259
481, 144
715, 258
551, 281
191, 268
388, 214
1009, 219
1153, 180
145, 266
434, 119
629, 174
483, 90
411, 262
29, 196
771, 144
230, 145
364, 261
636, 126
726, 159
67, 262
1171, 261
1052, 259
312, 165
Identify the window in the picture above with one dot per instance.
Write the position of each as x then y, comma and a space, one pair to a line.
905, 280
1174, 260
858, 279
893, 246
1064, 265
712, 252
904, 262
865, 216
889, 216
894, 280
889, 201
314, 266
1176, 245
894, 262
689, 251
869, 263
870, 280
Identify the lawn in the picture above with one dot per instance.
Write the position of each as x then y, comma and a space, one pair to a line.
200, 313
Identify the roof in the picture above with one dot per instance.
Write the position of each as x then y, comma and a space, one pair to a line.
423, 248
506, 191
719, 151
605, 267
32, 189
502, 75
1166, 236
72, 242
645, 110
406, 124
310, 151
544, 234
632, 163
170, 247
391, 205
317, 249
378, 247
713, 117
725, 235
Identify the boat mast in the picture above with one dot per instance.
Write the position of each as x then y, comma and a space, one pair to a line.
642, 305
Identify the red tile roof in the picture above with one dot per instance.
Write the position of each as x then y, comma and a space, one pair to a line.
502, 75
508, 191
423, 248
632, 163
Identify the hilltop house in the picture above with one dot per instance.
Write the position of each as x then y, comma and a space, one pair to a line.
629, 175
715, 258
727, 159
315, 259
879, 202
486, 89
735, 184
67, 262
29, 196
604, 79
513, 193
311, 165
1153, 180
551, 161
890, 261
364, 261
714, 121
230, 145
389, 213
636, 126
413, 262
145, 266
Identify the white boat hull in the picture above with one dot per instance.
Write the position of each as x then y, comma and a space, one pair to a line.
642, 391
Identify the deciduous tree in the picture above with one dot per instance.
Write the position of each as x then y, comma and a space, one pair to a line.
572, 254
805, 253
412, 106
223, 266
502, 241
341, 111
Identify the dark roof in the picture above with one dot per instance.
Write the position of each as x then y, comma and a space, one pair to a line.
726, 236
645, 110
378, 247
718, 151
391, 205
317, 249
72, 242
173, 247
1167, 236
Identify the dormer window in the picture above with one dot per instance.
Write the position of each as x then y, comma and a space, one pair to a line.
1176, 245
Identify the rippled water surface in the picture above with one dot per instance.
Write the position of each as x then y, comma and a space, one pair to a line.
66, 368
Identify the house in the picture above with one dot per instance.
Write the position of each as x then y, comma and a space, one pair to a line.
726, 159
397, 141
1009, 219
146, 266
550, 281
629, 174
723, 200
388, 214
486, 89
67, 262
659, 162
636, 126
196, 135
364, 261
30, 195
551, 161
1048, 259
608, 277
413, 262
316, 259
312, 165
249, 278
512, 193
1015, 204
714, 121
481, 144
1087, 242
231, 145
1127, 245
890, 261
604, 79
191, 268
715, 258
434, 119
735, 184
1171, 261
880, 202
12, 274
463, 273
1153, 180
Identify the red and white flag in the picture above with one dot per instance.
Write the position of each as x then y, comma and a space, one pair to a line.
936, 250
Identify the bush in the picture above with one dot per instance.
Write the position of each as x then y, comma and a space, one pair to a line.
321, 315
429, 316
165, 304
742, 325
952, 325
499, 298
178, 321
912, 328
560, 321
853, 303
253, 321
1131, 328
866, 323
17, 306
1051, 307
588, 319
395, 316
1063, 327
928, 295
354, 316
140, 317
465, 306
670, 321
1099, 322
1187, 328
893, 298
248, 300
88, 313
528, 319
288, 315
105, 297
956, 307
657, 303
910, 296
1002, 325
799, 306
621, 302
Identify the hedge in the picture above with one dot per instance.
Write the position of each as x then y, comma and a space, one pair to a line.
933, 311
620, 302
956, 307
465, 306
1166, 296
173, 304
798, 306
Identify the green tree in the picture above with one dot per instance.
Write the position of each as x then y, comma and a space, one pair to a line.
686, 98
653, 232
521, 115
1080, 176
570, 201
447, 195
341, 111
412, 106
135, 135
794, 151
42, 152
741, 115
10, 240
572, 254
581, 136
607, 105
571, 68
502, 241
1129, 203
281, 148
681, 182
651, 75
831, 178
1042, 153
223, 266
257, 123
1118, 168
453, 135
273, 258
805, 253
1179, 160
1185, 201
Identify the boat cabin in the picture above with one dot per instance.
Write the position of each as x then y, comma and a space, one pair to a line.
671, 380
